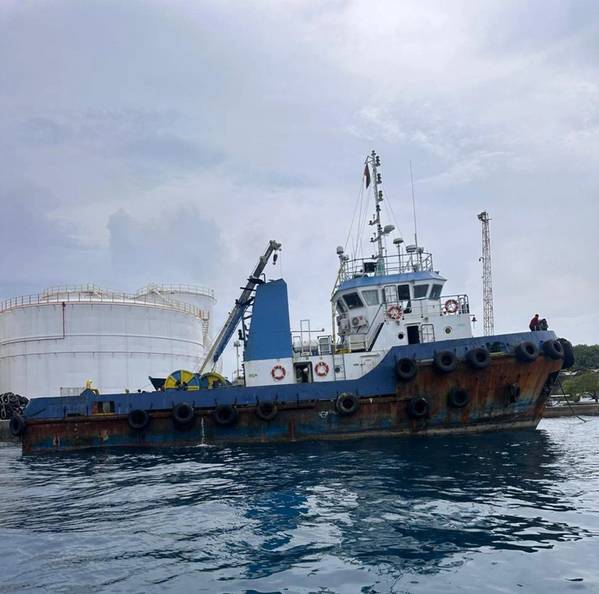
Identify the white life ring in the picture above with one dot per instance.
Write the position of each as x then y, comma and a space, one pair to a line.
321, 369
394, 312
451, 306
278, 372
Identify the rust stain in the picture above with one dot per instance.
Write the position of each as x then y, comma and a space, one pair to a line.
489, 408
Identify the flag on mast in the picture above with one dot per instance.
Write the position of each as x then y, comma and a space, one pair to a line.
367, 175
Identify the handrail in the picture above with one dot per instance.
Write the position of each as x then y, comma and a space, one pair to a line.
93, 294
177, 288
405, 262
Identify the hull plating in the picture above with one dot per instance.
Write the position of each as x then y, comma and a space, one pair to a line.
492, 406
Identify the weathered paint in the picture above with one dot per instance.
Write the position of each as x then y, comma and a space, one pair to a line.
384, 413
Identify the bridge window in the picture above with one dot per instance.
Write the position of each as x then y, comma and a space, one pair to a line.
436, 291
390, 294
404, 292
371, 297
420, 291
353, 300
340, 306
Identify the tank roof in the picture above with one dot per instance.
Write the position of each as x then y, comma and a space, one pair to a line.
90, 293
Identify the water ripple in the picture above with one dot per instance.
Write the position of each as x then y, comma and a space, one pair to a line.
478, 513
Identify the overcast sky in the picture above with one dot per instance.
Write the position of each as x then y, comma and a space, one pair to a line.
168, 141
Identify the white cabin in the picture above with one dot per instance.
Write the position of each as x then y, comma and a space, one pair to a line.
377, 303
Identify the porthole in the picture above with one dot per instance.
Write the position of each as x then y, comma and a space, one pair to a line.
448, 330
400, 336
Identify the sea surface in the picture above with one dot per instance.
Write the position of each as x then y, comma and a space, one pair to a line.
505, 512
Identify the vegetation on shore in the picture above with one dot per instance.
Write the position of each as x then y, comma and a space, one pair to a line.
585, 376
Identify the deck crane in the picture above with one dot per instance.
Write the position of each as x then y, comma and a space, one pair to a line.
236, 315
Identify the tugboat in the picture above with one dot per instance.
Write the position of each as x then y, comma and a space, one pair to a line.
401, 360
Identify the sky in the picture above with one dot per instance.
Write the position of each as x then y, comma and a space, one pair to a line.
168, 141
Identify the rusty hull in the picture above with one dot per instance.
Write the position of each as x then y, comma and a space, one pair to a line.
491, 407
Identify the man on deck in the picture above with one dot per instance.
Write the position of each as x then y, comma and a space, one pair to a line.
535, 324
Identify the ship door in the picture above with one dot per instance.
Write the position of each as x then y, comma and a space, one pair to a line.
303, 373
413, 334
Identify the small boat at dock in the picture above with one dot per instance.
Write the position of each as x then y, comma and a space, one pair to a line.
400, 360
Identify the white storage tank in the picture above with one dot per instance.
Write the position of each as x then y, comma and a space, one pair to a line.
52, 343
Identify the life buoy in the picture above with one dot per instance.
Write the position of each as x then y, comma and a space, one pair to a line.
278, 372
321, 369
394, 312
451, 306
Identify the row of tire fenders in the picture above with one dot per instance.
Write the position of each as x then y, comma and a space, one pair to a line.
346, 404
477, 358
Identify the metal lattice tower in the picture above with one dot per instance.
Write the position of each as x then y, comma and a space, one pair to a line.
488, 317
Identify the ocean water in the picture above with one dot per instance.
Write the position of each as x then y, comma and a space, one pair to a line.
507, 512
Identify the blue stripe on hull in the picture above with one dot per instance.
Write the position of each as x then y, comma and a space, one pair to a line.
379, 381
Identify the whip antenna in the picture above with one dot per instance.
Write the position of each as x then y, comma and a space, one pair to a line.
414, 206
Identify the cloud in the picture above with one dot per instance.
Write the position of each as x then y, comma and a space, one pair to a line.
152, 141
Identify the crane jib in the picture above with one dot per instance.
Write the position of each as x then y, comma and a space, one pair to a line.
241, 306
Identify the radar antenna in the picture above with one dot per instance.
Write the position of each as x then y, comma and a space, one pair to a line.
488, 316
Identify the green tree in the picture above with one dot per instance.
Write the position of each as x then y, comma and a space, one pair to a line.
587, 356
584, 382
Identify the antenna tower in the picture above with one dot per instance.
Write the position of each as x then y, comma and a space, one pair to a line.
488, 317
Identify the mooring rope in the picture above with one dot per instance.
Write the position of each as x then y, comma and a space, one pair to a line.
569, 404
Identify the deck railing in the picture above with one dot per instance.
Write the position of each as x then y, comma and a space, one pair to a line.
94, 294
416, 261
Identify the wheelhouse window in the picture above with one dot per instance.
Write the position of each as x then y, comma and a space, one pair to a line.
341, 308
436, 292
403, 292
390, 294
371, 296
420, 291
353, 301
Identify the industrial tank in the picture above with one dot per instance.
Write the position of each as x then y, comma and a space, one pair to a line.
53, 342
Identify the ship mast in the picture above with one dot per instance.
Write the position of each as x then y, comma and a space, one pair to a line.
374, 161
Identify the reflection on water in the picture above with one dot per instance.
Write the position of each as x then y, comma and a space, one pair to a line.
366, 516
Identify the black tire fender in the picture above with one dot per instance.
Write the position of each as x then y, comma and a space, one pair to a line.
553, 349
17, 425
138, 419
347, 403
526, 351
569, 358
418, 408
457, 398
478, 358
406, 369
183, 414
266, 410
225, 414
445, 361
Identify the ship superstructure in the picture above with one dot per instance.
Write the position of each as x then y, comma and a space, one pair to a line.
379, 302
